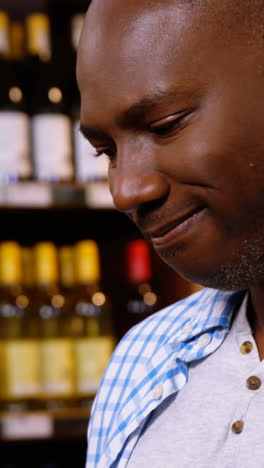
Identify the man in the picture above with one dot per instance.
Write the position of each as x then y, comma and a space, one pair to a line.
173, 92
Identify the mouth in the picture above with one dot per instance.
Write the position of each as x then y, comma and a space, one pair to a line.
175, 229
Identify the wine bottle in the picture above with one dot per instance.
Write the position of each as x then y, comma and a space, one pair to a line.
82, 148
56, 352
91, 323
19, 347
51, 123
88, 168
142, 301
15, 163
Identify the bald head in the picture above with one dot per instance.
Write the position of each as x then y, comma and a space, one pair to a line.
172, 92
238, 12
126, 26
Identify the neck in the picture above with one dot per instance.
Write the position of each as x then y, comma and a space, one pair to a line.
256, 316
256, 308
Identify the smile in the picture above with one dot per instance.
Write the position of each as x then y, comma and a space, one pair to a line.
175, 230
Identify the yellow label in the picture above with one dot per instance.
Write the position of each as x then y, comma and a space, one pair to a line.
20, 360
57, 367
92, 356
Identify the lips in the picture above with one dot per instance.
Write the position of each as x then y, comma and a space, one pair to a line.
172, 229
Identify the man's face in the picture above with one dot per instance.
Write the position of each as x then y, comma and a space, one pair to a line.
178, 108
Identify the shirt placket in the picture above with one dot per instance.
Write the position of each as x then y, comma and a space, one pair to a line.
252, 376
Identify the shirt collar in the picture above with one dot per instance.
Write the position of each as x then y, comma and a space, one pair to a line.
210, 316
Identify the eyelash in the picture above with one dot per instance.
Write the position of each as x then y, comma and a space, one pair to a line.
97, 154
168, 128
162, 131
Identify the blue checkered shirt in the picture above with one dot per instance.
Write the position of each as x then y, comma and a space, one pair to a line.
150, 364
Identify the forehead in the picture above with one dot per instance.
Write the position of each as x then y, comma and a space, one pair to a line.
126, 51
123, 40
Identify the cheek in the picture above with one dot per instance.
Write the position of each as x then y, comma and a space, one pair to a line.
227, 167
227, 157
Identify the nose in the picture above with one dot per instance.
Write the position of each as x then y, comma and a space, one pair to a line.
132, 189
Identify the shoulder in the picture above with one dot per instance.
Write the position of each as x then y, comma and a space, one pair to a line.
172, 320
170, 324
143, 351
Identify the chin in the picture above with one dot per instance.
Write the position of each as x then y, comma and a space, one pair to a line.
223, 276
226, 277
231, 264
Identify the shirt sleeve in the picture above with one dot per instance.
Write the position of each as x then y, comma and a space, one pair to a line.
108, 401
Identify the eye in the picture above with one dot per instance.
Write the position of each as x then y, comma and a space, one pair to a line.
168, 125
108, 151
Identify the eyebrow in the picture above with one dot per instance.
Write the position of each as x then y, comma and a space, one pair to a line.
133, 112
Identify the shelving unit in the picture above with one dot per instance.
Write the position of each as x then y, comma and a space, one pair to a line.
29, 195
46, 425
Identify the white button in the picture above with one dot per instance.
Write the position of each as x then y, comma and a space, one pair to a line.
204, 340
157, 392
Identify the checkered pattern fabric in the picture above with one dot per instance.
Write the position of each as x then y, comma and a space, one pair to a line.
149, 364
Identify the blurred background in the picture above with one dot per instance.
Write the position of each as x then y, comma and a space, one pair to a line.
75, 274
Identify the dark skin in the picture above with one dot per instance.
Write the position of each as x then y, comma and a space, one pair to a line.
182, 121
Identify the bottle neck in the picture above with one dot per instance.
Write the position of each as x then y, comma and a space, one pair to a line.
46, 268
38, 38
138, 262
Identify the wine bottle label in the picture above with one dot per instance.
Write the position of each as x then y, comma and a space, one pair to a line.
20, 368
87, 166
57, 367
52, 147
14, 146
92, 356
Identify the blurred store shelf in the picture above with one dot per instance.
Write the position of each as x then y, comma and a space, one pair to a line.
93, 195
48, 425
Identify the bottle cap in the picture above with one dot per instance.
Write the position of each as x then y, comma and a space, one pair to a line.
46, 268
38, 35
66, 266
87, 267
10, 263
138, 261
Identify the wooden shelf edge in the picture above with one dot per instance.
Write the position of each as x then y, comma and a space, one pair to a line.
44, 425
34, 195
